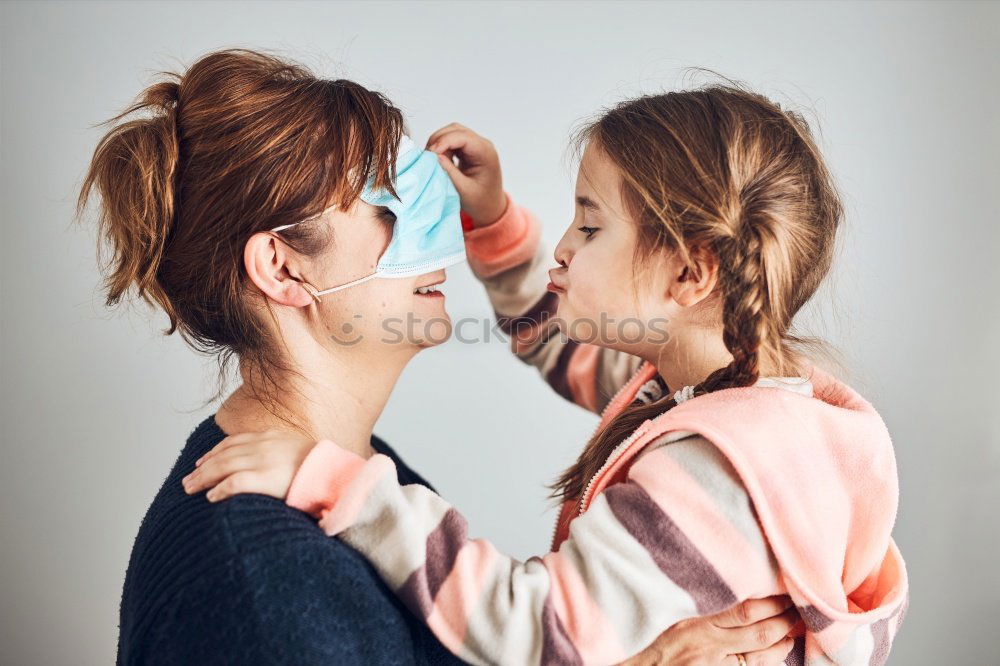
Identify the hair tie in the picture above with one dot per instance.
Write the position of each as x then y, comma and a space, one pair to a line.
683, 394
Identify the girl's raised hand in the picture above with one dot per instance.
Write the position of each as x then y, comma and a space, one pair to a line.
477, 176
249, 462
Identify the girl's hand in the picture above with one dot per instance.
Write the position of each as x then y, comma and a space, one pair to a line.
249, 462
477, 176
758, 629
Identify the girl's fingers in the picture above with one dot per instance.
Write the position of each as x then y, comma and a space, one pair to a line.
214, 470
246, 481
233, 440
453, 142
469, 146
226, 443
751, 611
434, 136
456, 175
450, 127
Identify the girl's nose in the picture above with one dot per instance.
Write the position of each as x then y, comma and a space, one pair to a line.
563, 253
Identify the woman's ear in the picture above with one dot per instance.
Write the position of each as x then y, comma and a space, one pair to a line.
694, 282
270, 265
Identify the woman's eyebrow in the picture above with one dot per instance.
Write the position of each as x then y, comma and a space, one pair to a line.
588, 203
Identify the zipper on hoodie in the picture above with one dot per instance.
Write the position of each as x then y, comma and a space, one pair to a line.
618, 449
611, 458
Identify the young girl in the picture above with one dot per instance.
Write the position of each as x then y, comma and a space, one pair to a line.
705, 220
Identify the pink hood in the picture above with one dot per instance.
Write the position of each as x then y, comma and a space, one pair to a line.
822, 476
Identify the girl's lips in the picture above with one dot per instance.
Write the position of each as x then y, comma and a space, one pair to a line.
554, 285
431, 294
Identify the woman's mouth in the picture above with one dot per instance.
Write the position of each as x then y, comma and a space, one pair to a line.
553, 288
429, 290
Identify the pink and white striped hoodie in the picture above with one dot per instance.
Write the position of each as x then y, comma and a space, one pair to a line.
776, 488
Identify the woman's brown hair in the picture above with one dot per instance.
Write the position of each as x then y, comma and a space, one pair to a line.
239, 143
723, 169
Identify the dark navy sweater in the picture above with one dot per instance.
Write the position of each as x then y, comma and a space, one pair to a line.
251, 580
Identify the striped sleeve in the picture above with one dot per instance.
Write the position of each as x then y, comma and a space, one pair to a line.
645, 555
512, 263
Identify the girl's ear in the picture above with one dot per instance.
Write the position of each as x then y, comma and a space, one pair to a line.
267, 263
694, 282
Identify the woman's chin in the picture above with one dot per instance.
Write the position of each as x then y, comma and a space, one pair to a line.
436, 332
431, 325
415, 329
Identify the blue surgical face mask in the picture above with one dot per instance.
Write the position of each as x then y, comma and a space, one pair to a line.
427, 235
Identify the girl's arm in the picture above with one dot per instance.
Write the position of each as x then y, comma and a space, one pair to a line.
678, 539
507, 256
502, 244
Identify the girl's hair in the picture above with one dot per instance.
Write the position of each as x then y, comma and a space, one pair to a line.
239, 143
724, 169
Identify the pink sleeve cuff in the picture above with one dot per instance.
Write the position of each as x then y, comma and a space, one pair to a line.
508, 242
326, 471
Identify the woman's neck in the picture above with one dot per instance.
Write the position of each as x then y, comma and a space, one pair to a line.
337, 397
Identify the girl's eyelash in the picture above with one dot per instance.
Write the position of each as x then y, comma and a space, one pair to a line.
588, 230
387, 215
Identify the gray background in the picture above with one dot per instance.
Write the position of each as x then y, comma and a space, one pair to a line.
96, 404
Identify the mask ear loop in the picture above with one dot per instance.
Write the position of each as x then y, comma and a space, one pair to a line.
305, 285
315, 294
312, 291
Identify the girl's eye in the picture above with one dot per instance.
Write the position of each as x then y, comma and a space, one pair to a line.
590, 231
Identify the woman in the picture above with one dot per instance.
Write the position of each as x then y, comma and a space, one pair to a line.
200, 204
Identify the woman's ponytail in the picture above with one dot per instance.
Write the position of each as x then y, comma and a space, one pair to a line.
134, 169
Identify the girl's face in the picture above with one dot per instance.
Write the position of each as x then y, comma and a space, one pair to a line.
382, 314
602, 298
